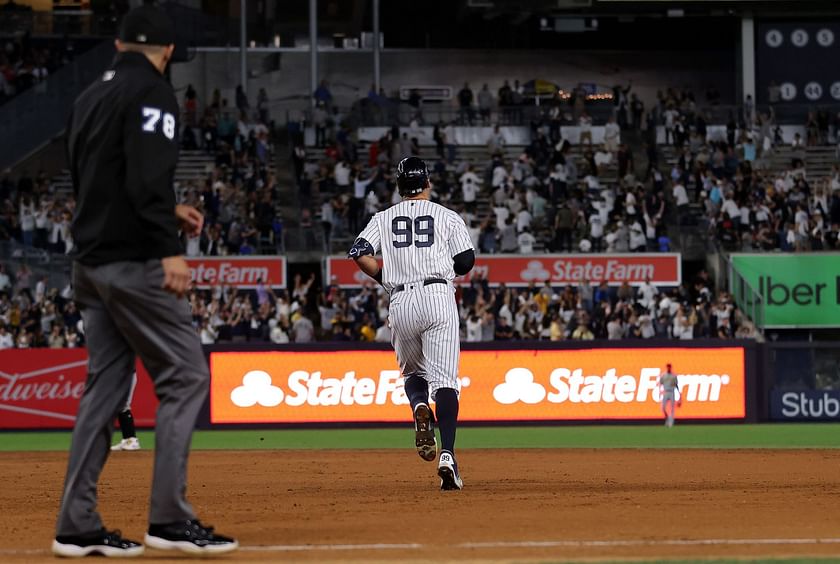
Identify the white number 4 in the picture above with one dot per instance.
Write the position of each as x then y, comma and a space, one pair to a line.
151, 117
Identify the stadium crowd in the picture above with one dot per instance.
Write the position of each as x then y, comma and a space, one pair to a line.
238, 196
25, 63
31, 315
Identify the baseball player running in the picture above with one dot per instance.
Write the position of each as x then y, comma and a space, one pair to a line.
424, 246
126, 418
669, 388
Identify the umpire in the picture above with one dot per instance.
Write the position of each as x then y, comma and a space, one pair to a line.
130, 278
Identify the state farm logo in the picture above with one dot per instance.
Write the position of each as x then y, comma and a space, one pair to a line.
34, 392
227, 273
310, 388
572, 386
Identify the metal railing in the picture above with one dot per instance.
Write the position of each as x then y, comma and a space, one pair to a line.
36, 116
388, 112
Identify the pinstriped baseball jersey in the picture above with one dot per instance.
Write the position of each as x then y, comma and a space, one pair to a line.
417, 239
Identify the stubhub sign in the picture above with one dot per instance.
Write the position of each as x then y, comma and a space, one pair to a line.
805, 405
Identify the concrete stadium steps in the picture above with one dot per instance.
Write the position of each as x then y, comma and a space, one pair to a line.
479, 157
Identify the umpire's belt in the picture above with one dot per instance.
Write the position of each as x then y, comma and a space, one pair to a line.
402, 287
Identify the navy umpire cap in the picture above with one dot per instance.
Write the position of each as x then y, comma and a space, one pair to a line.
412, 176
147, 25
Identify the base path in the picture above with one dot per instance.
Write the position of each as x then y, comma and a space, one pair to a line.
518, 505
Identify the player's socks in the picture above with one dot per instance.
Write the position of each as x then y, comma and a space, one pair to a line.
416, 390
127, 424
446, 410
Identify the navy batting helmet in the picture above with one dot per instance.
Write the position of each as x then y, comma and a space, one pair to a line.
412, 176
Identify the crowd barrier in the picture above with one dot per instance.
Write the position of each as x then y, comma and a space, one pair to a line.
333, 385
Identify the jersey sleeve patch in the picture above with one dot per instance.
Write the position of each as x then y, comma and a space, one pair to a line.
360, 248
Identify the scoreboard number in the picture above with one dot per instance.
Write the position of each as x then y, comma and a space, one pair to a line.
825, 37
774, 38
813, 91
788, 91
799, 37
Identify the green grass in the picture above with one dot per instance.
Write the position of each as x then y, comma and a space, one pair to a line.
810, 435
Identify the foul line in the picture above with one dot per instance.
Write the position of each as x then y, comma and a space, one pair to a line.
541, 544
504, 544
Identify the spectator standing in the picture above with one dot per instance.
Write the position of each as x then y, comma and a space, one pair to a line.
449, 141
485, 104
242, 103
526, 242
465, 102
323, 95
585, 126
612, 135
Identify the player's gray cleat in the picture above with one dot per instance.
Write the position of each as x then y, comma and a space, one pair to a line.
450, 478
131, 443
424, 432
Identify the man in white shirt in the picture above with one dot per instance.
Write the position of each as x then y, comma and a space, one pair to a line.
357, 202
6, 339
585, 125
730, 208
647, 293
383, 334
638, 241
341, 172
474, 325
526, 242
502, 214
500, 176
612, 135
523, 220
469, 188
5, 281
681, 199
596, 231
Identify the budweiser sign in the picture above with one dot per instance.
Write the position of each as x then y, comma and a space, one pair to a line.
663, 269
239, 272
41, 388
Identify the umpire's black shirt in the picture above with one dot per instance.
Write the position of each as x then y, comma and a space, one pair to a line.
122, 146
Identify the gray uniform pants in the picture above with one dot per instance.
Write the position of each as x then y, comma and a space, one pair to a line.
126, 312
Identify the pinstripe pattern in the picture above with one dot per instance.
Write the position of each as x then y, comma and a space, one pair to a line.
413, 263
418, 239
424, 320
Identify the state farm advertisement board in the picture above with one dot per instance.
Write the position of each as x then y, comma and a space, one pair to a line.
662, 269
516, 385
41, 389
238, 272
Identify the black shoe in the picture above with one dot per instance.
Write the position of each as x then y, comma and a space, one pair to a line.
103, 543
189, 536
424, 432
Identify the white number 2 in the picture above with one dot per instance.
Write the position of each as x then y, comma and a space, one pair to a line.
151, 117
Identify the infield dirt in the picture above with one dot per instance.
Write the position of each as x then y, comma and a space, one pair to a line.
642, 503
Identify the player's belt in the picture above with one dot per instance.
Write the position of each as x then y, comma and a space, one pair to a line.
402, 287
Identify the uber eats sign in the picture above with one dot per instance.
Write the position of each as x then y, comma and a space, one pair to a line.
798, 290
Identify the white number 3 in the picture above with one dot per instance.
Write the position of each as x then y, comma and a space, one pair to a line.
151, 117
